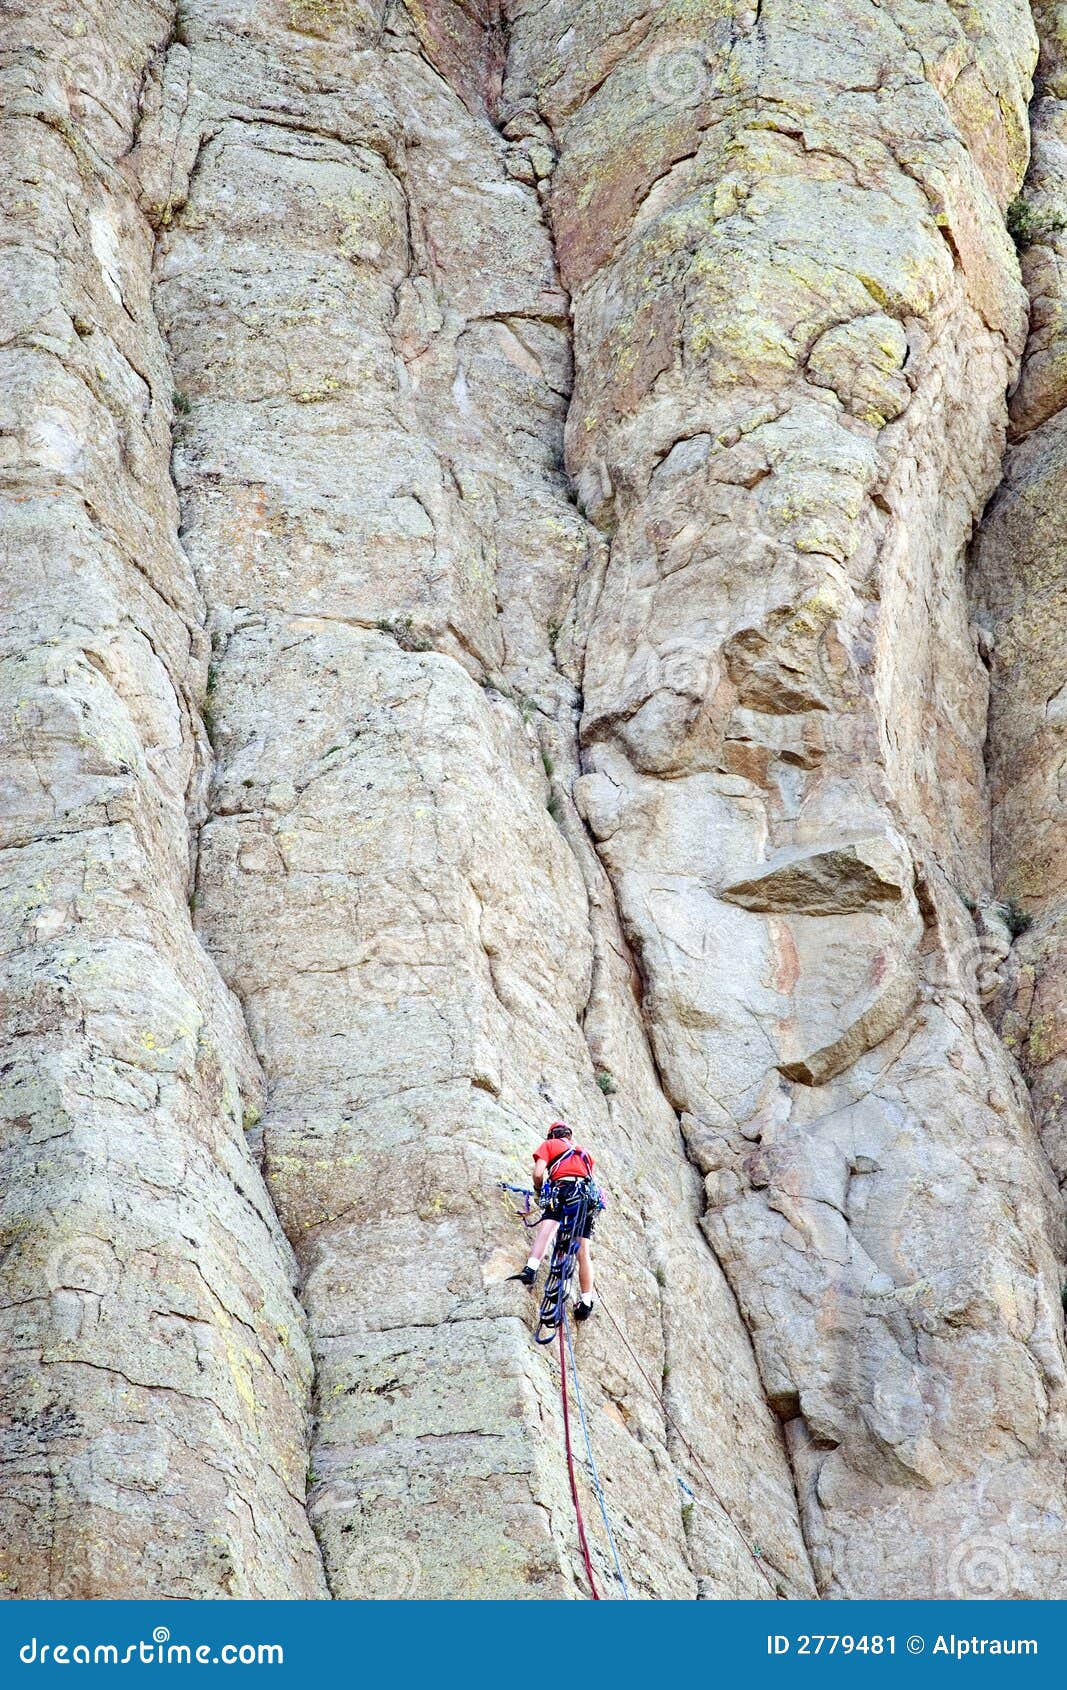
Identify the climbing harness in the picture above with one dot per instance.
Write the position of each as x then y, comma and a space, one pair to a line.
594, 1476
570, 1207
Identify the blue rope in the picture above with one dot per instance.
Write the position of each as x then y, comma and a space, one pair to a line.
527, 1196
594, 1475
565, 1249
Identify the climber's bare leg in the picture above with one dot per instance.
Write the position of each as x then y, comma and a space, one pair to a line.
585, 1268
542, 1239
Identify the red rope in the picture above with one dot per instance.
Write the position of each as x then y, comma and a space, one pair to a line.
570, 1470
687, 1445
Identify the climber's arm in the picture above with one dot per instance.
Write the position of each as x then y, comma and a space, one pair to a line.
540, 1169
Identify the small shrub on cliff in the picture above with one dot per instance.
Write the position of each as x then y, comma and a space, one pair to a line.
1016, 919
606, 1082
404, 634
1025, 225
207, 708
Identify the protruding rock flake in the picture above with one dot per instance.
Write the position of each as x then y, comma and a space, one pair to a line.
492, 635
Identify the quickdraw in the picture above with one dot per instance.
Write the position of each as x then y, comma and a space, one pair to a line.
529, 1198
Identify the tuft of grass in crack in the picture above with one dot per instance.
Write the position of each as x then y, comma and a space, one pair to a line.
547, 764
182, 404
406, 636
606, 1081
522, 701
207, 708
1016, 919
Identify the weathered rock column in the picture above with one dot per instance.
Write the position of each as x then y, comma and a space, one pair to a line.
1020, 585
796, 310
154, 1369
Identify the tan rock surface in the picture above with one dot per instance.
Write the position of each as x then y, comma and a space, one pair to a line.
372, 502
780, 660
534, 675
155, 1367
1018, 579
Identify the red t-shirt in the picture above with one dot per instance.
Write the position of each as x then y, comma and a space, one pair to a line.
571, 1166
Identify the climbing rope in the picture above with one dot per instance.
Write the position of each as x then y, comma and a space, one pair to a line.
522, 1214
593, 1474
690, 1450
583, 1544
572, 1213
553, 1318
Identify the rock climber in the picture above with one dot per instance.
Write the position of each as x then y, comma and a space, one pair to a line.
564, 1165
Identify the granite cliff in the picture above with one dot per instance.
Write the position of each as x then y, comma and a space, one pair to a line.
499, 622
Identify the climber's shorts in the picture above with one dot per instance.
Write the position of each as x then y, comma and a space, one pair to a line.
561, 1192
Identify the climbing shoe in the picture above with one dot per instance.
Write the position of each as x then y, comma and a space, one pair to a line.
584, 1309
527, 1276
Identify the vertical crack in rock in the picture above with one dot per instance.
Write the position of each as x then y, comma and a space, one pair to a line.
794, 323
155, 1365
1020, 588
699, 1341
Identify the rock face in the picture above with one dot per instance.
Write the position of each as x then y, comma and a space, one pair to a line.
1020, 588
486, 506
156, 1367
